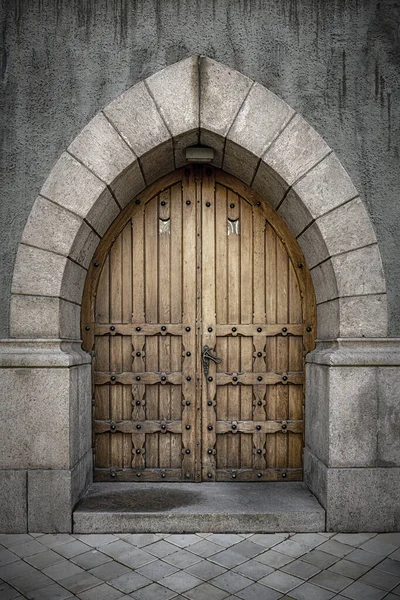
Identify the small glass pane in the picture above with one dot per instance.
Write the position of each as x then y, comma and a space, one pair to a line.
164, 226
233, 227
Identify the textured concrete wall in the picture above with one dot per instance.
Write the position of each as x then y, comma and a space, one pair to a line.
334, 61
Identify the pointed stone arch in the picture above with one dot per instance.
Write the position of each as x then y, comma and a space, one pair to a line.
140, 137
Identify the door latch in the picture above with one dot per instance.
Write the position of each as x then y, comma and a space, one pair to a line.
207, 356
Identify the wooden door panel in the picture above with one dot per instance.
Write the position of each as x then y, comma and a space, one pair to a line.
198, 259
145, 343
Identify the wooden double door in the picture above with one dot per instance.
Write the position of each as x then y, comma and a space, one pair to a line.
198, 310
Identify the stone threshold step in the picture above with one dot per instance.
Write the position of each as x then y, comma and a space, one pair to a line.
198, 507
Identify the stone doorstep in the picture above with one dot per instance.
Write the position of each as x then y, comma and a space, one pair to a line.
198, 507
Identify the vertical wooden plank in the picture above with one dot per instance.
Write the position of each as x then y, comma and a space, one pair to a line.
282, 350
191, 463
295, 409
246, 317
116, 399
271, 318
208, 321
164, 315
176, 316
260, 293
138, 343
221, 239
126, 342
102, 363
151, 316
234, 277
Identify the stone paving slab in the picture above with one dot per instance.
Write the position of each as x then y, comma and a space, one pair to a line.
306, 566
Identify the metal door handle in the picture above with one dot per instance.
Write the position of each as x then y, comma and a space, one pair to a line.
207, 356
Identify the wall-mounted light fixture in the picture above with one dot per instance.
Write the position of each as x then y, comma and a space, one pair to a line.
199, 154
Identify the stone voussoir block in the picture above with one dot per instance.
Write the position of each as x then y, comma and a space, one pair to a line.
51, 227
136, 117
296, 150
239, 162
84, 246
72, 186
101, 148
338, 230
222, 92
42, 273
324, 280
325, 187
175, 90
313, 244
260, 119
38, 272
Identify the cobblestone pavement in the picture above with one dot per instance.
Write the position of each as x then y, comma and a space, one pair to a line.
312, 566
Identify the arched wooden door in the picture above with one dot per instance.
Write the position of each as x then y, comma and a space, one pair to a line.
198, 309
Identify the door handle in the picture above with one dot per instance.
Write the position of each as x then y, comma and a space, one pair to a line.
207, 356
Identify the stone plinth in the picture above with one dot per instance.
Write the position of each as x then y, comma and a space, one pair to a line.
45, 428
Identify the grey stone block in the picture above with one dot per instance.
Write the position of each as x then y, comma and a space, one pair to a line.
158, 162
325, 187
49, 501
222, 91
104, 152
13, 516
325, 283
315, 476
296, 150
239, 162
35, 317
51, 227
259, 120
317, 407
295, 212
313, 244
353, 399
73, 186
328, 320
218, 508
176, 93
81, 477
363, 499
136, 117
388, 422
85, 243
80, 416
364, 316
38, 272
346, 228
34, 418
359, 272
269, 184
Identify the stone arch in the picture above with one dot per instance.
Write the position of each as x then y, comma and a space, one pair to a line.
140, 137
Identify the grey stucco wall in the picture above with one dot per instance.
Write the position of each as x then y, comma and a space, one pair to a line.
335, 61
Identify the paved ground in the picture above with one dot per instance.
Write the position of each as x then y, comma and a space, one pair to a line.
312, 566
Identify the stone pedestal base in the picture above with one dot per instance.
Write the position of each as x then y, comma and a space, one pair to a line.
45, 433
352, 454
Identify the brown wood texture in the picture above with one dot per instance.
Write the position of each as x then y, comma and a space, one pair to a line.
198, 259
